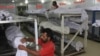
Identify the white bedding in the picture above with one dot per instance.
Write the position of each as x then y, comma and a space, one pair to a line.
97, 7
9, 16
14, 35
71, 24
97, 23
38, 11
48, 24
41, 12
13, 32
60, 11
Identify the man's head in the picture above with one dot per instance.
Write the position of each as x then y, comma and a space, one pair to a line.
46, 34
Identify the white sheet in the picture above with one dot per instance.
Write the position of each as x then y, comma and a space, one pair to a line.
38, 11
70, 11
6, 14
14, 35
41, 12
17, 42
97, 23
48, 24
96, 7
83, 19
12, 32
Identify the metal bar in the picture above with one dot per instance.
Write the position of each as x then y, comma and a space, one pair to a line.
36, 35
71, 40
85, 39
86, 34
62, 39
93, 20
14, 21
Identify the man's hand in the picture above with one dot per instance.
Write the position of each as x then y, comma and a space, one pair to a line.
21, 47
23, 40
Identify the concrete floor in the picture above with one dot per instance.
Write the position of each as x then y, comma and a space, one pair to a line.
93, 49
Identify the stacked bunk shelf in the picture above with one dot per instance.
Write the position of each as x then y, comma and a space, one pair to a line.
94, 32
64, 47
5, 48
68, 50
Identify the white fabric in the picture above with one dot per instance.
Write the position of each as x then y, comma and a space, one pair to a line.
17, 42
96, 7
41, 12
14, 35
48, 24
77, 45
59, 11
97, 23
13, 32
6, 14
83, 19
72, 25
36, 11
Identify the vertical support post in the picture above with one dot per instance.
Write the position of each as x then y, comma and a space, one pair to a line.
93, 20
86, 34
36, 34
62, 39
85, 39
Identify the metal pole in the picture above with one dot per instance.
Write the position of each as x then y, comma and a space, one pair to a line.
62, 39
36, 34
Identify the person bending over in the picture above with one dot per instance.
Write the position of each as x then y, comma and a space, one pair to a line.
54, 6
46, 43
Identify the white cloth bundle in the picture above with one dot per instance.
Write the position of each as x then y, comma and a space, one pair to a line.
14, 35
96, 7
36, 11
6, 14
83, 18
81, 11
50, 25
17, 42
97, 23
12, 32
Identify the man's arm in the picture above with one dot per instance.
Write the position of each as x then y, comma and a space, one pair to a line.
36, 53
27, 39
30, 39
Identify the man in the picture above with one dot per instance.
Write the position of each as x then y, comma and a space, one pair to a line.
46, 43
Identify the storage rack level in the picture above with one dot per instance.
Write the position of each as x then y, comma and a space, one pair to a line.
18, 21
63, 48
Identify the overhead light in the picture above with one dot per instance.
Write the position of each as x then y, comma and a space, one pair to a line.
21, 4
42, 1
26, 1
78, 0
13, 0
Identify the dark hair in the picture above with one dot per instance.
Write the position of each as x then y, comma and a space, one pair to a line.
48, 31
54, 3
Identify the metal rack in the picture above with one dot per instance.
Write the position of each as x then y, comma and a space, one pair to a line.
23, 20
62, 39
94, 36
